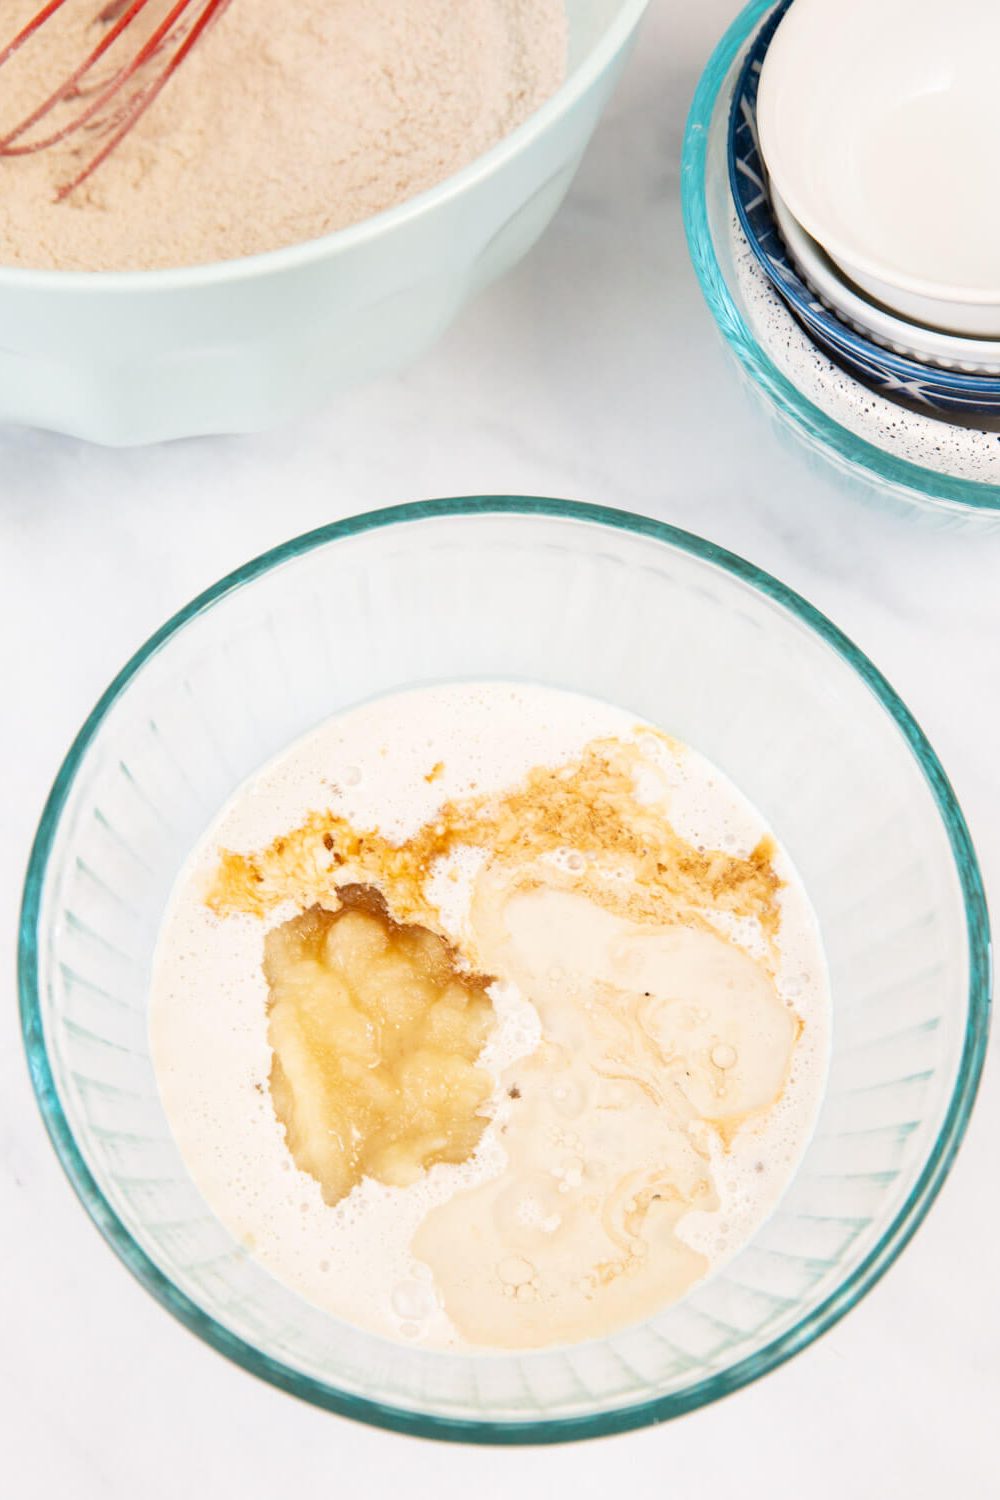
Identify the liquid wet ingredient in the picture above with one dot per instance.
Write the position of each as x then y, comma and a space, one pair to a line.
652, 1037
520, 1017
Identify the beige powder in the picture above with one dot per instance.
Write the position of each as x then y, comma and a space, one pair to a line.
286, 122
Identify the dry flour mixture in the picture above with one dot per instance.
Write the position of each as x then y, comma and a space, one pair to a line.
284, 123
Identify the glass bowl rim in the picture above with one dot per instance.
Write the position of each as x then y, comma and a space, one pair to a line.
540, 1430
943, 491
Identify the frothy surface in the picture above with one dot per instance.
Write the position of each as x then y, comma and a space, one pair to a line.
392, 764
960, 447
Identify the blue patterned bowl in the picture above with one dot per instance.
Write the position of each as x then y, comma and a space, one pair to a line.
944, 392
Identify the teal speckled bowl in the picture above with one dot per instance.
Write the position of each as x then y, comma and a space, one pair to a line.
138, 356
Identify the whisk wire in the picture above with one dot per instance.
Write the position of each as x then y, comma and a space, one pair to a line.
67, 87
170, 31
141, 101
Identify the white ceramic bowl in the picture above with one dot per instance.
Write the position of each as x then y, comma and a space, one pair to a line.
948, 351
877, 122
138, 356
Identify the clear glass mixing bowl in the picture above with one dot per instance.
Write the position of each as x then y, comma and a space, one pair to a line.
631, 611
708, 216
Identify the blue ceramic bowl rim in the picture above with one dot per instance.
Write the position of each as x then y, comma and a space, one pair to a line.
794, 290
861, 1279
944, 491
305, 252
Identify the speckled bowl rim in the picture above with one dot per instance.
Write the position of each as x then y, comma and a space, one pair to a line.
945, 492
304, 252
543, 1430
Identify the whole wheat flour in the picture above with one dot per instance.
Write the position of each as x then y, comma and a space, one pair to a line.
284, 123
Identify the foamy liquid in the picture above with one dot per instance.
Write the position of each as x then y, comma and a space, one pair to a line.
209, 997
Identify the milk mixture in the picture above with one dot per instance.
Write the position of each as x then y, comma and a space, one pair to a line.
486, 1017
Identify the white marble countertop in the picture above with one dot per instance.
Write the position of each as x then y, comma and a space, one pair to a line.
592, 372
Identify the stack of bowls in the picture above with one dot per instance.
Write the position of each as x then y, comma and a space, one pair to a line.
860, 146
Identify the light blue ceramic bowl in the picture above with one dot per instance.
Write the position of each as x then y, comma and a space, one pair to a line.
943, 392
138, 356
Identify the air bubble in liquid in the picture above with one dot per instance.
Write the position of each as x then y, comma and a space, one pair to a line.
411, 1301
647, 787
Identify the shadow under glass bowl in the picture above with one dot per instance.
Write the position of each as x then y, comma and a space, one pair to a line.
130, 357
943, 392
626, 609
709, 216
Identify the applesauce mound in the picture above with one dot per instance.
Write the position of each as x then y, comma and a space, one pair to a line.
375, 1036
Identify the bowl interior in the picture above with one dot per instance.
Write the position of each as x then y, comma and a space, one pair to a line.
875, 123
622, 609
